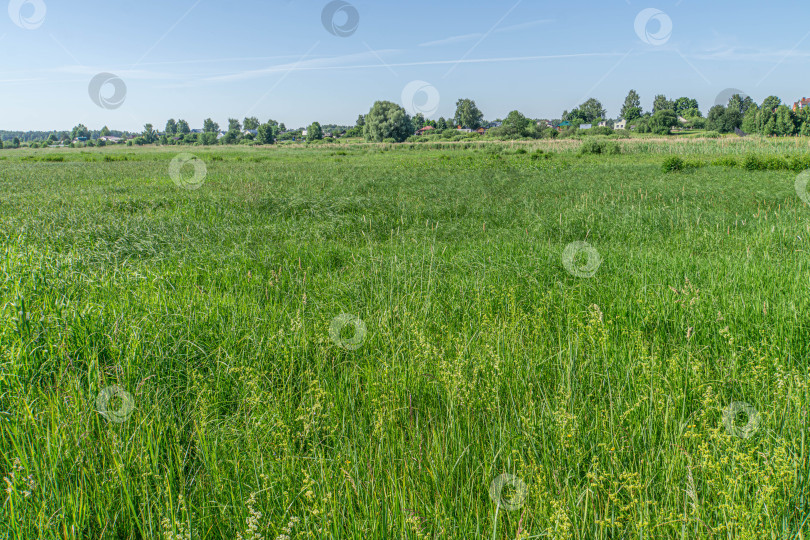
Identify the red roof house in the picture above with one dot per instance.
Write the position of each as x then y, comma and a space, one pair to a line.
801, 104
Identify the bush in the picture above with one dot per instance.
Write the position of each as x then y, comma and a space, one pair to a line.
598, 130
769, 163
673, 164
726, 161
712, 135
753, 163
599, 147
799, 163
520, 151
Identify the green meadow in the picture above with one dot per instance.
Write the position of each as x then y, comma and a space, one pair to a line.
470, 340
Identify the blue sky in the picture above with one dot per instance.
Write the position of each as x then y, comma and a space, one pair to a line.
276, 59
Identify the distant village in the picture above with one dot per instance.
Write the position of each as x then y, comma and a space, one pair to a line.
741, 116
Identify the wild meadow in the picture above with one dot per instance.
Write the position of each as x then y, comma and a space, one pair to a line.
494, 340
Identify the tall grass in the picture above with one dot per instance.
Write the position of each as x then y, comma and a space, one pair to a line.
615, 399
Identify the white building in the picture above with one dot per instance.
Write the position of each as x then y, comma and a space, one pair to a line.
621, 124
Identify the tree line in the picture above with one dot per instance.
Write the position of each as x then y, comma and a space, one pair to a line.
389, 122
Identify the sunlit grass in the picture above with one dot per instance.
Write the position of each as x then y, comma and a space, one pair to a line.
609, 396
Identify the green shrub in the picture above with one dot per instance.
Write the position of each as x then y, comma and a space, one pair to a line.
521, 151
673, 164
712, 135
799, 163
726, 161
753, 163
598, 130
593, 146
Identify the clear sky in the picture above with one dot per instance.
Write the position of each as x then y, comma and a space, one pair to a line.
193, 59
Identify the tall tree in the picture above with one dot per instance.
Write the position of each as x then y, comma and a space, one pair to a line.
468, 114
105, 132
632, 106
803, 121
314, 132
251, 122
515, 126
771, 103
740, 103
661, 103
785, 121
587, 113
267, 134
79, 131
749, 123
171, 127
387, 120
724, 120
663, 121
234, 125
183, 128
684, 104
592, 110
209, 126
149, 133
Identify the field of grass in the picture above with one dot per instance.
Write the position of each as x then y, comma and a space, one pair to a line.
402, 341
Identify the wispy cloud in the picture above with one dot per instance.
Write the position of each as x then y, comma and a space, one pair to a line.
744, 54
522, 26
17, 81
313, 64
451, 39
219, 60
126, 74
321, 64
469, 37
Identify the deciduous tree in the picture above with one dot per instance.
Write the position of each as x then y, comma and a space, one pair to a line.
314, 132
632, 106
387, 120
468, 115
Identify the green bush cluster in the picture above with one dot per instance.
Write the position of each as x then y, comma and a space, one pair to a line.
673, 164
753, 162
593, 146
726, 161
